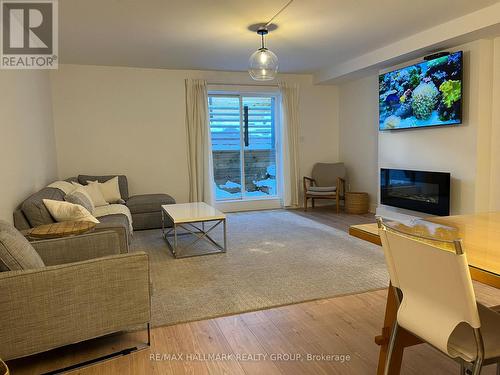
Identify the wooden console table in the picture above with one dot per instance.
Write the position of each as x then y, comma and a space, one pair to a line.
480, 234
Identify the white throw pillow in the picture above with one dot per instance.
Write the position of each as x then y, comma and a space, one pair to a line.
109, 189
65, 211
95, 194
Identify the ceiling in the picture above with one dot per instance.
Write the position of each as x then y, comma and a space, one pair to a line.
213, 35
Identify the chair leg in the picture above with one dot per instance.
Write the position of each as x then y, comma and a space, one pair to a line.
338, 204
477, 367
312, 199
498, 368
390, 349
305, 203
463, 369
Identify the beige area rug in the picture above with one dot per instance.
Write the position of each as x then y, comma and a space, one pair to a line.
274, 258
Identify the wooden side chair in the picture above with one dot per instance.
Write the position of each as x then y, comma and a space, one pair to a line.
326, 182
436, 299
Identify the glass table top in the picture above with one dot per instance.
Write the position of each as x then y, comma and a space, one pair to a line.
480, 235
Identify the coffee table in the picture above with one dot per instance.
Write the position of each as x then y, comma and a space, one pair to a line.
189, 216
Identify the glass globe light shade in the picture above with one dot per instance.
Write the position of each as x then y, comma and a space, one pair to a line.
263, 65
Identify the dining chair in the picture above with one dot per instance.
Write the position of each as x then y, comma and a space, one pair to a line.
436, 298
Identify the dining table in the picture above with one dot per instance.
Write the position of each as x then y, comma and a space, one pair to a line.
480, 235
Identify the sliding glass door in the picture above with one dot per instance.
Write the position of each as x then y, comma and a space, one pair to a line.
243, 129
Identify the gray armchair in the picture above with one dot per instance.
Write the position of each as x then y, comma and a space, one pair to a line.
327, 182
64, 291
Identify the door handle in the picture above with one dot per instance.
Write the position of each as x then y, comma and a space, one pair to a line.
245, 124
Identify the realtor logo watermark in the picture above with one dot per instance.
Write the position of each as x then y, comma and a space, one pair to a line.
29, 37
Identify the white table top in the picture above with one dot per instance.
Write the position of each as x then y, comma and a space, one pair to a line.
192, 212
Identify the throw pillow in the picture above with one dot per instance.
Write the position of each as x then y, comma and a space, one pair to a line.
95, 195
81, 197
16, 253
109, 189
65, 211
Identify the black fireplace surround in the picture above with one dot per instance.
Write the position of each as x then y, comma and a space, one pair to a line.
421, 191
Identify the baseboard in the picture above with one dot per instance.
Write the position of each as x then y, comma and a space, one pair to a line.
250, 205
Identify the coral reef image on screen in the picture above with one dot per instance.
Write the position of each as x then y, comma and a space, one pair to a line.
425, 94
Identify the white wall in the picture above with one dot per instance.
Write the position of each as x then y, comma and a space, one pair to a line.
464, 150
27, 152
132, 121
495, 130
358, 135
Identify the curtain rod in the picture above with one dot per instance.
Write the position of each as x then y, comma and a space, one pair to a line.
239, 84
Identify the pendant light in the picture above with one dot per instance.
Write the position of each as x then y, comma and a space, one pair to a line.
263, 64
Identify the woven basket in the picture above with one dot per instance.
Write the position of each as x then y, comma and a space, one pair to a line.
356, 202
4, 370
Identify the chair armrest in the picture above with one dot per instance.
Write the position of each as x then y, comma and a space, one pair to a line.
45, 308
341, 186
123, 234
78, 248
311, 181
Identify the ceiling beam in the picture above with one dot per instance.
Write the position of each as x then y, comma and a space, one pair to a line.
479, 24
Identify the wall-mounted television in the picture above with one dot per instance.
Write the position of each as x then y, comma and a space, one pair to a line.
425, 94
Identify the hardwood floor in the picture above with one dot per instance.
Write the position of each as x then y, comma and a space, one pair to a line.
274, 341
326, 215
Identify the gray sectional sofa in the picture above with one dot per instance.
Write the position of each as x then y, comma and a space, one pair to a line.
145, 209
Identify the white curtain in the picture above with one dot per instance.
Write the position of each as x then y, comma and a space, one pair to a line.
198, 142
290, 149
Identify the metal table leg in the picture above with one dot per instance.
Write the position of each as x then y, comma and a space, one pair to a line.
200, 233
174, 249
225, 236
162, 222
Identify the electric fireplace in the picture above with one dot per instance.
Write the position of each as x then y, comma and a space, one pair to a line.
422, 191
